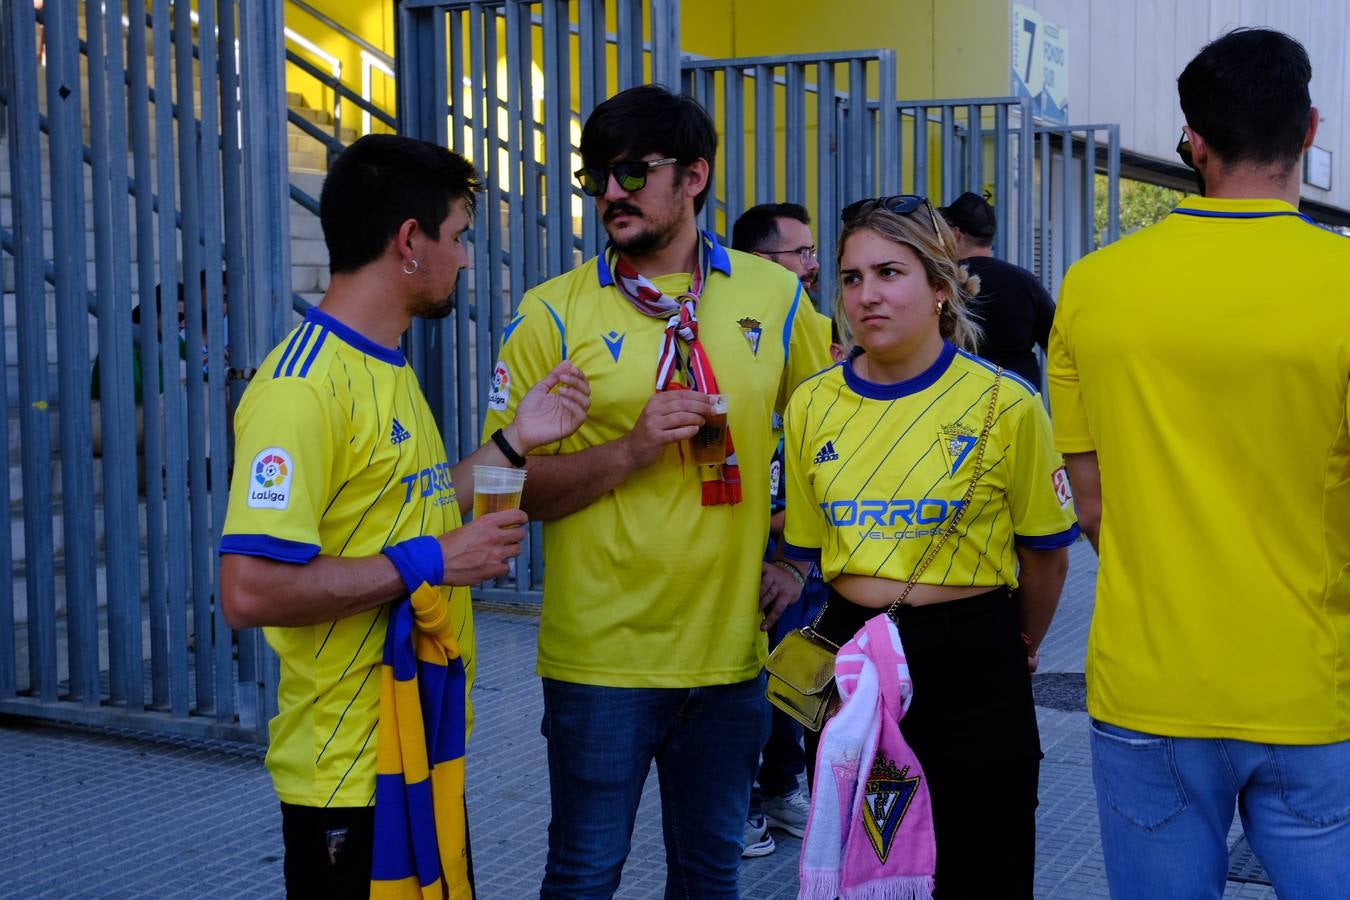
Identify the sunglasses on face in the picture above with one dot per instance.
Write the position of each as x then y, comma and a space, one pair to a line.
631, 174
1184, 150
900, 204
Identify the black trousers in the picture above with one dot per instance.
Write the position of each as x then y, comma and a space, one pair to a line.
328, 850
972, 724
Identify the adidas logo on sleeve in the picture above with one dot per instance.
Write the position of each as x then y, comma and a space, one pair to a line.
827, 454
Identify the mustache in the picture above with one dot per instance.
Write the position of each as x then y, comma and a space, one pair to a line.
622, 209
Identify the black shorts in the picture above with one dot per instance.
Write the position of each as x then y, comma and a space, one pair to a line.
328, 850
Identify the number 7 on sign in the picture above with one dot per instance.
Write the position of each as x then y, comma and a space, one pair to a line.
1029, 26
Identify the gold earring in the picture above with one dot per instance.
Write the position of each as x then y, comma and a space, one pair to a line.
938, 311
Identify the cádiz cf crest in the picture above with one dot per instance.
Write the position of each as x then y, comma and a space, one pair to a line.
888, 793
753, 330
957, 441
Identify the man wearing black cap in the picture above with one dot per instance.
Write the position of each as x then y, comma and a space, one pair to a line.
1013, 307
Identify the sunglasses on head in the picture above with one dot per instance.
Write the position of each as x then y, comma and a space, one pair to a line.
900, 204
631, 174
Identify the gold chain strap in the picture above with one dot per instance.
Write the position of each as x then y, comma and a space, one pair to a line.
935, 549
956, 520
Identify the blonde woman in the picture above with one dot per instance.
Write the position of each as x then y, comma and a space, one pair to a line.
916, 469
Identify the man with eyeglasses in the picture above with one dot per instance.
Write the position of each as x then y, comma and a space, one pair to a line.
656, 596
780, 232
1200, 380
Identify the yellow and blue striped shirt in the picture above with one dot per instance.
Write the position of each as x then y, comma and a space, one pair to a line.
338, 454
877, 472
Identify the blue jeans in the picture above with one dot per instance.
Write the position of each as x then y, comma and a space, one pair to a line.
601, 744
1166, 804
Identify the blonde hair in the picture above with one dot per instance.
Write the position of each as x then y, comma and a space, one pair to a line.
945, 272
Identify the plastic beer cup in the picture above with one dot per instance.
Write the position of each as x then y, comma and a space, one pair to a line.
496, 488
709, 446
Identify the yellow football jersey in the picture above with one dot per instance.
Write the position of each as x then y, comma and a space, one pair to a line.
877, 473
646, 587
1206, 360
338, 454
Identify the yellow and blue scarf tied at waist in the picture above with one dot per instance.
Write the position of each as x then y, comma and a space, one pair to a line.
421, 836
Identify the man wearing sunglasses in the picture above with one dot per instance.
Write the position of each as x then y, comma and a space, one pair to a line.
651, 645
1199, 375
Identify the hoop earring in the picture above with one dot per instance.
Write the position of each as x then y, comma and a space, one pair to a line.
938, 312
413, 270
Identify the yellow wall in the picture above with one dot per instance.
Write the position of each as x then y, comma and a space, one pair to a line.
373, 21
944, 48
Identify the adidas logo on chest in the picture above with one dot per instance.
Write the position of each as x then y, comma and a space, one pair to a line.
827, 453
398, 434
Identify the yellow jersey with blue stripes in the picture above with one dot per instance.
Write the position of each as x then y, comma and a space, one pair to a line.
337, 454
1206, 361
877, 472
646, 587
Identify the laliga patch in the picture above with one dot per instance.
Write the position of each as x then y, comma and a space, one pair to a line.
775, 477
500, 394
1060, 481
273, 476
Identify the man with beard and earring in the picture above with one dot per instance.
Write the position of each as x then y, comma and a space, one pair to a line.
656, 597
344, 501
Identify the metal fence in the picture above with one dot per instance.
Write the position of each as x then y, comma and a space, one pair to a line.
135, 154
472, 77
1068, 158
815, 152
139, 144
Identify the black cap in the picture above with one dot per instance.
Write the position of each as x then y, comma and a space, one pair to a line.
972, 214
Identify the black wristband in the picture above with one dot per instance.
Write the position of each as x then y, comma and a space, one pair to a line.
508, 451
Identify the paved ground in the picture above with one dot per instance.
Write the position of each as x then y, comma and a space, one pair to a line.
89, 815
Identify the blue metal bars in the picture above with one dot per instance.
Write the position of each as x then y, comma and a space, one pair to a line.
508, 85
125, 170
1068, 159
817, 151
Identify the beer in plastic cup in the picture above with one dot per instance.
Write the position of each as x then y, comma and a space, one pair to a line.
709, 446
496, 488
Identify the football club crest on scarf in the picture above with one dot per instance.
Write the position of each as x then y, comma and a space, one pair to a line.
753, 330
888, 794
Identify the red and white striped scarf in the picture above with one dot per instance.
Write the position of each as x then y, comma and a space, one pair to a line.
721, 483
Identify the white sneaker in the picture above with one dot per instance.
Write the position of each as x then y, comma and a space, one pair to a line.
756, 840
788, 812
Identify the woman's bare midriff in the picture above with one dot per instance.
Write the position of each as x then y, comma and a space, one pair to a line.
879, 593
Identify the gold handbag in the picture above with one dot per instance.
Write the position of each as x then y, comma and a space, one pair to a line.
801, 667
801, 677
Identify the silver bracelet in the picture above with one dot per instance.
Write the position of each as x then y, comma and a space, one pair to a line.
789, 567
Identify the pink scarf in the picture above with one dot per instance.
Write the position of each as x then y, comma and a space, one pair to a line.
870, 833
721, 484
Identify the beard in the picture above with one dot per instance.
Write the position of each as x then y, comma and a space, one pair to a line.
659, 225
643, 242
434, 309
